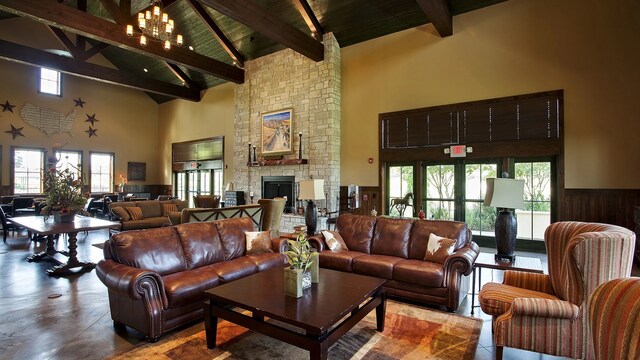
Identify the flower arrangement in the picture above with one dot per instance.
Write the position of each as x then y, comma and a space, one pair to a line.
123, 181
63, 192
299, 253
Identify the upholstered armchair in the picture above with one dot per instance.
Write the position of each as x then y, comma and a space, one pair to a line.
272, 210
548, 313
206, 201
614, 319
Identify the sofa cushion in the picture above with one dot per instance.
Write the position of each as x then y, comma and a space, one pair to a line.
418, 272
157, 250
200, 243
391, 237
145, 223
232, 235
357, 231
121, 213
186, 287
380, 266
258, 242
234, 269
169, 208
150, 208
439, 248
135, 213
339, 260
334, 241
266, 261
421, 230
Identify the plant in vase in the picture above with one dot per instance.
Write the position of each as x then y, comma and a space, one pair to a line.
64, 197
123, 182
301, 259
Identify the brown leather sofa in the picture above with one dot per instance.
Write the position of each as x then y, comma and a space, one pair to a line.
156, 278
153, 214
394, 249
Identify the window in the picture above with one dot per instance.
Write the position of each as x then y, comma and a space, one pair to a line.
101, 172
50, 82
400, 184
480, 219
536, 216
71, 160
27, 171
439, 190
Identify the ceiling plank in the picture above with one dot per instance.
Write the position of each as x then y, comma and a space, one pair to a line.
268, 24
26, 55
309, 17
175, 69
67, 18
217, 32
438, 12
115, 11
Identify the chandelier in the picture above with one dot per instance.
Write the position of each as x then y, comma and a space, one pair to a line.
155, 25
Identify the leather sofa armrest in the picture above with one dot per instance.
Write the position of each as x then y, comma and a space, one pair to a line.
279, 245
317, 242
131, 282
462, 259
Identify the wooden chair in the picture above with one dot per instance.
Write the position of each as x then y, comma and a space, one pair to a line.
206, 201
548, 313
6, 224
23, 206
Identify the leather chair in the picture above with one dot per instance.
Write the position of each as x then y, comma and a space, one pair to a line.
23, 206
206, 201
614, 319
548, 313
272, 210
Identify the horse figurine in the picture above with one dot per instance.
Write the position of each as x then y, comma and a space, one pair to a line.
400, 204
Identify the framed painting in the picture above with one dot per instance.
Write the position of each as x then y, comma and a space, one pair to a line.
276, 132
136, 171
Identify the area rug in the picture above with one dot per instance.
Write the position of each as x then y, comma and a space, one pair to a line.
411, 332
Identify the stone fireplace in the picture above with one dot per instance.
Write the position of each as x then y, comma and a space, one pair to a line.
288, 80
280, 186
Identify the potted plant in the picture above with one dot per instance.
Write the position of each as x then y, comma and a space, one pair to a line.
298, 277
64, 197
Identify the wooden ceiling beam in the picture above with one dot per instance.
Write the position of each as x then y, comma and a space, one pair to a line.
95, 49
26, 55
438, 12
310, 18
182, 76
52, 13
268, 24
64, 39
217, 32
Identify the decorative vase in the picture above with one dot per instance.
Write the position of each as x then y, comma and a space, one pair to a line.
296, 281
60, 218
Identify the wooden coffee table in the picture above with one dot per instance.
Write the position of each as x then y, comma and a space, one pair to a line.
324, 313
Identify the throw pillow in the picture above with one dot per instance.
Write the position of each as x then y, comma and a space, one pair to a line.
169, 208
439, 248
258, 242
334, 241
134, 212
121, 213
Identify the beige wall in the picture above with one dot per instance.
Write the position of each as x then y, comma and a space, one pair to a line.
588, 48
181, 120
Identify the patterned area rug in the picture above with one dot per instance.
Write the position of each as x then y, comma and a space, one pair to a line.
411, 332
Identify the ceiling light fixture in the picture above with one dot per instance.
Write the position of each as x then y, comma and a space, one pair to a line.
156, 25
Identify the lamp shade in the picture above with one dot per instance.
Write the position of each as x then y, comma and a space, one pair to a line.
505, 193
311, 189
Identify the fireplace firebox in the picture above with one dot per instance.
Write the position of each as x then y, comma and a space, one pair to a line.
280, 186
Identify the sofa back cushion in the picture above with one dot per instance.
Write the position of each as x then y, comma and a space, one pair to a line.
422, 229
150, 208
157, 249
231, 233
356, 231
200, 243
182, 204
391, 237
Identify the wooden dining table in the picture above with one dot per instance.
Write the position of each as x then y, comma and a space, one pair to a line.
47, 227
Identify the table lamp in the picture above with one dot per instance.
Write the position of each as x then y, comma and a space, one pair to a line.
311, 190
506, 195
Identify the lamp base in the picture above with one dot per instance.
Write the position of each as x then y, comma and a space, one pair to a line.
311, 218
506, 228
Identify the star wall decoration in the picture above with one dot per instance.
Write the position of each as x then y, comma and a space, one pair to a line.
15, 132
91, 131
91, 119
7, 106
79, 102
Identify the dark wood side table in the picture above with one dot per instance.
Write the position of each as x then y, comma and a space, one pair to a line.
486, 260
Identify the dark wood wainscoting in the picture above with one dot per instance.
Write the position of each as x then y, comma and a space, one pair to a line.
369, 197
611, 206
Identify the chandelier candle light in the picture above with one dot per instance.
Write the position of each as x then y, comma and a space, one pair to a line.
156, 25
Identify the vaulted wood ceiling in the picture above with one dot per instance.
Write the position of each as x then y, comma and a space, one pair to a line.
223, 34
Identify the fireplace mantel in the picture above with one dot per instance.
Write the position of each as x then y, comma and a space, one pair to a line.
278, 162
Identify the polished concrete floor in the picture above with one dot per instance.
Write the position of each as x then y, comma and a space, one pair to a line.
44, 317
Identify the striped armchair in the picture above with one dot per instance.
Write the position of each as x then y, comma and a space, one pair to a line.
614, 319
548, 313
